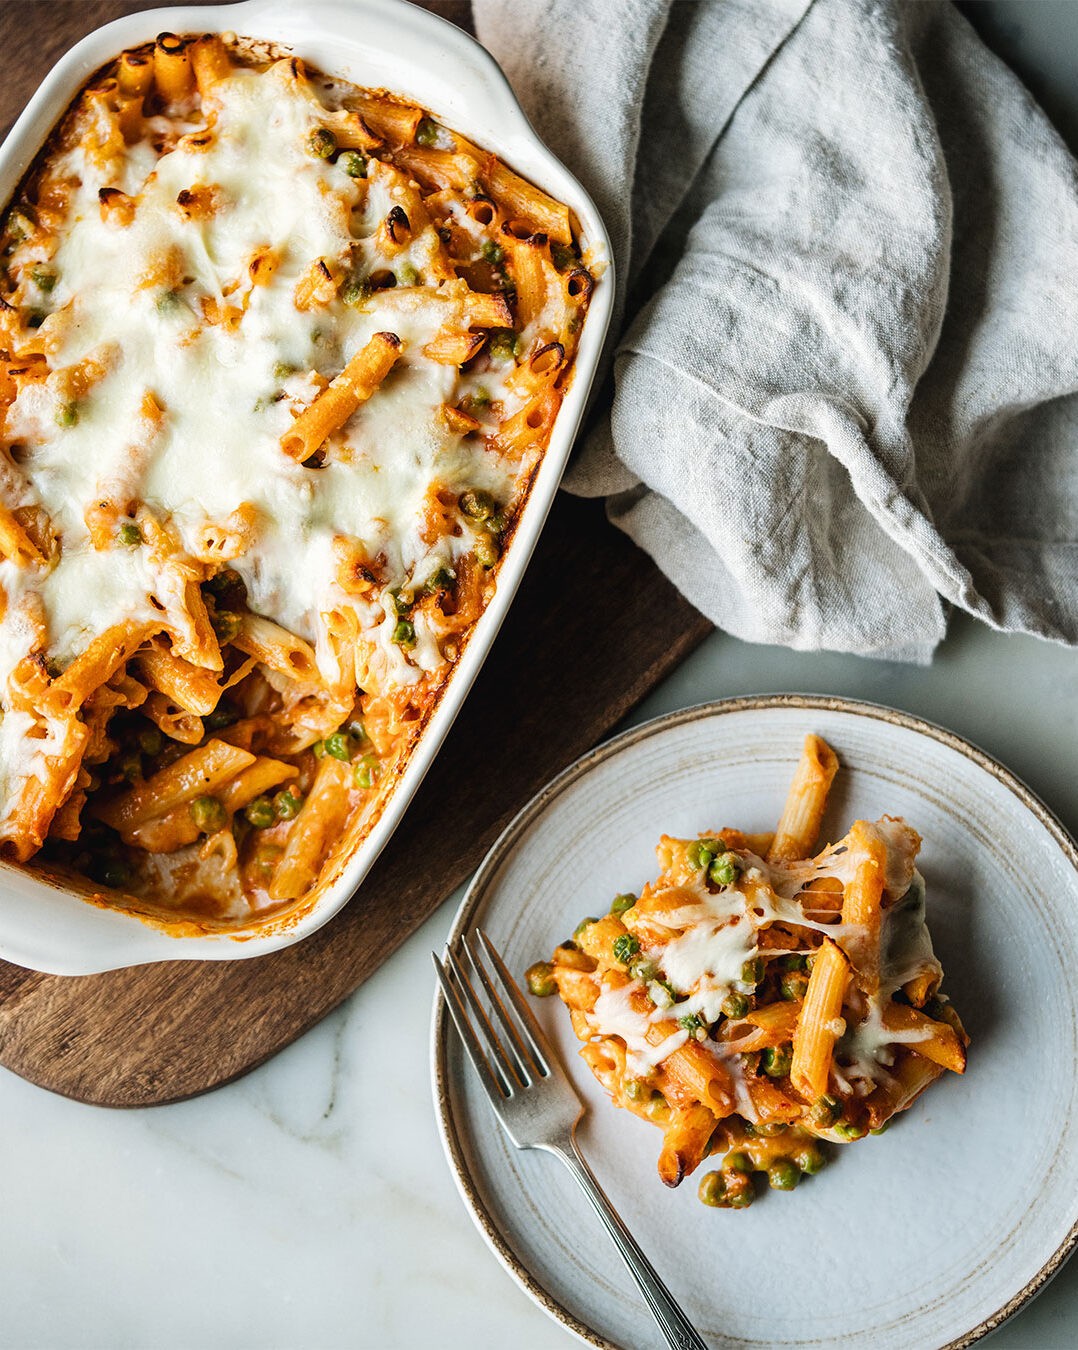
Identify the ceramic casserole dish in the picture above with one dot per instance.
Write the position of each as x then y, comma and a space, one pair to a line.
373, 44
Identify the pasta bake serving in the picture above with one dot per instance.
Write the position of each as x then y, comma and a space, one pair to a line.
759, 997
279, 358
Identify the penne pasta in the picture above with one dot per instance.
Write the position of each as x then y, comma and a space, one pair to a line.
317, 825
196, 774
172, 72
192, 688
799, 824
820, 1023
278, 649
751, 1007
336, 404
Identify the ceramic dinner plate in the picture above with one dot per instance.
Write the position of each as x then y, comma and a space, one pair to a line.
925, 1236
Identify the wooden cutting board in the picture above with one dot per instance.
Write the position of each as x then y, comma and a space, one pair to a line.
594, 627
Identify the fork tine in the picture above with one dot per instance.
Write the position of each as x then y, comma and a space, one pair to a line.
530, 1064
512, 1078
496, 1089
534, 1035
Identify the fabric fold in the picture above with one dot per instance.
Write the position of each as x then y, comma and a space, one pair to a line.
845, 376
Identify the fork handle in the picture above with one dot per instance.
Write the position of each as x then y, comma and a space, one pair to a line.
675, 1326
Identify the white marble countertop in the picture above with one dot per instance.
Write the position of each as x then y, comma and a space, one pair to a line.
308, 1206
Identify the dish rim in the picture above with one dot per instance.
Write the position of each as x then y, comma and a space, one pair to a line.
134, 940
448, 1131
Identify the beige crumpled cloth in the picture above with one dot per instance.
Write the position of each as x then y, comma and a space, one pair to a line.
846, 355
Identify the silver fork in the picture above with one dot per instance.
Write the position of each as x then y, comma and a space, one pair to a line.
536, 1103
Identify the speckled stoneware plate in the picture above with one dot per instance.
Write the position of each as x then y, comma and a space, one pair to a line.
926, 1236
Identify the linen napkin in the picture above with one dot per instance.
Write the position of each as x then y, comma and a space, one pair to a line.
845, 367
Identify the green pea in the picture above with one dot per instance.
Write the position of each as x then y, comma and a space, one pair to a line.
775, 1061
625, 947
353, 163
129, 534
584, 923
321, 143
492, 252
131, 767
366, 772
150, 741
168, 302
540, 979
740, 1199
735, 1005
661, 994
793, 961
637, 1090
752, 972
208, 814
404, 634
222, 581
427, 132
727, 1189
226, 624
643, 970
712, 1190
783, 1175
260, 813
769, 1131
690, 1022
700, 855
407, 275
282, 370
810, 1159
562, 256
825, 1112
793, 985
357, 730
339, 745
402, 603
222, 716
882, 1129
622, 902
67, 415
851, 1130
43, 278
724, 870
738, 1161
286, 804
486, 551
440, 580
477, 504
355, 292
503, 345
113, 872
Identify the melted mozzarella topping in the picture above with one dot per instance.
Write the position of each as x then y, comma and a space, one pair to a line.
704, 962
133, 299
614, 1015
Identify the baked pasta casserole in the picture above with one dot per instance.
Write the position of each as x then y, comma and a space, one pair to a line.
279, 358
760, 997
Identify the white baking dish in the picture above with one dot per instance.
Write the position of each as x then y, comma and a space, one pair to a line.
380, 44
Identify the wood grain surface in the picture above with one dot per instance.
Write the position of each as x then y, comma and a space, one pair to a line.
593, 628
